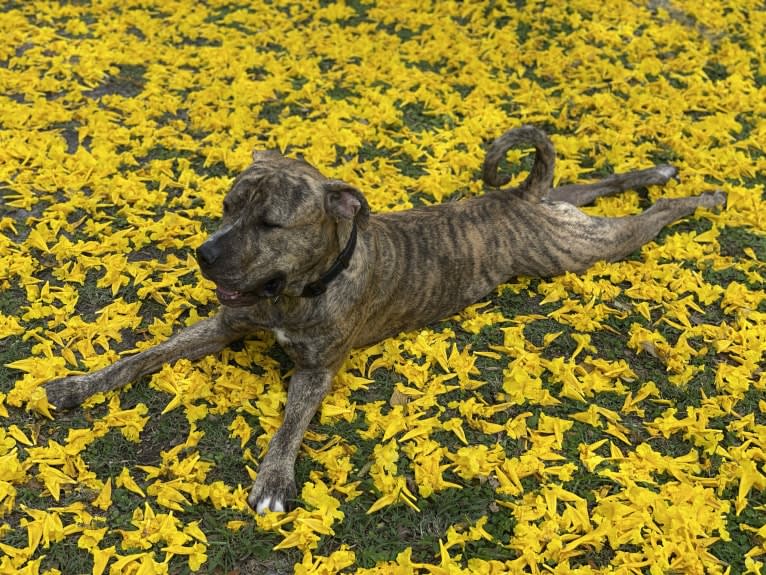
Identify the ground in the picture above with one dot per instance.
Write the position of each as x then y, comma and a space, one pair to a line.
609, 422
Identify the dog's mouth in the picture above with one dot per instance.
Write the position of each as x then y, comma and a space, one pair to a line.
271, 288
233, 298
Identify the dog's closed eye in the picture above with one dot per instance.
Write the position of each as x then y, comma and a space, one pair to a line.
269, 224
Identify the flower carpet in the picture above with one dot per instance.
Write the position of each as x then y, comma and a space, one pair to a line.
607, 422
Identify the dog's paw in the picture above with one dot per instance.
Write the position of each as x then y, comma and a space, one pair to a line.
66, 392
715, 200
667, 172
272, 491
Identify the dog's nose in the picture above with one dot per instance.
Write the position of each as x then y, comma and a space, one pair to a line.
207, 254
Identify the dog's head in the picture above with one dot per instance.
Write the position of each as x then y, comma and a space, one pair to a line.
281, 228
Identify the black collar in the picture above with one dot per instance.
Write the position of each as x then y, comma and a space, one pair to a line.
319, 286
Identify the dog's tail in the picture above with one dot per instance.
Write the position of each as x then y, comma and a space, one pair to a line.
540, 178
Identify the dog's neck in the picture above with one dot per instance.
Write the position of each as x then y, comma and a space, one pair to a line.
319, 286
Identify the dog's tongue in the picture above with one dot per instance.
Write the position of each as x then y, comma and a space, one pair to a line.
228, 293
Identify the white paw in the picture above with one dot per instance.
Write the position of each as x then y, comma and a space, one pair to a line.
668, 172
266, 504
273, 490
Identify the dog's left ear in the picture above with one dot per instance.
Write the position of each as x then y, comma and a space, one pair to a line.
263, 155
344, 201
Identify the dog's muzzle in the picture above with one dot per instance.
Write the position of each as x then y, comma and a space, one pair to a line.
208, 256
271, 288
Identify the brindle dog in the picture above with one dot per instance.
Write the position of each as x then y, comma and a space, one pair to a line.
300, 254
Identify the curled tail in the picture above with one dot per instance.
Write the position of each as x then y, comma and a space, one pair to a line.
540, 178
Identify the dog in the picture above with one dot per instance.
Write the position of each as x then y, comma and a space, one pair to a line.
300, 254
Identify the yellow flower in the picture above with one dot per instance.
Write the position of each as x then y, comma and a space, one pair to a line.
125, 480
104, 499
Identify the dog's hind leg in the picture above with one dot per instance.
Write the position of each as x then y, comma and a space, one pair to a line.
569, 240
198, 340
583, 194
628, 234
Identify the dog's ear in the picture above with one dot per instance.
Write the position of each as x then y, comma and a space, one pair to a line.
344, 201
262, 155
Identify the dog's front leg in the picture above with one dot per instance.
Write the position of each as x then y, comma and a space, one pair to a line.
198, 340
274, 486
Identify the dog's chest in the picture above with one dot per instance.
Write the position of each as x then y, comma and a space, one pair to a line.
310, 350
282, 338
